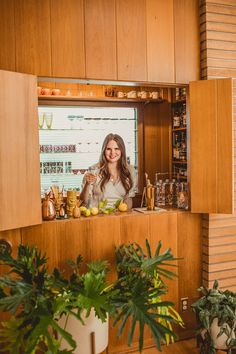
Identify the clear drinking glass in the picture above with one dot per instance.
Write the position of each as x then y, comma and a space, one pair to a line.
41, 120
48, 119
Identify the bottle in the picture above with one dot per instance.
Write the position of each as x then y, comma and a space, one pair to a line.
175, 187
183, 196
184, 116
176, 119
168, 193
160, 194
183, 149
176, 148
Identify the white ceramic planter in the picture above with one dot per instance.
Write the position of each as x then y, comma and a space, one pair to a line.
82, 333
221, 341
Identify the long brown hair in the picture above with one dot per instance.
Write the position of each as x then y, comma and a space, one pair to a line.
124, 172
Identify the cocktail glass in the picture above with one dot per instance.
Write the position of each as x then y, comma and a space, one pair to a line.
41, 120
48, 119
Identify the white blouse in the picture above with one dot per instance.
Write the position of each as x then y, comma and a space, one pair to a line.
112, 190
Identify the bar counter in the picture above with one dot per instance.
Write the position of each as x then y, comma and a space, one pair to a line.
95, 237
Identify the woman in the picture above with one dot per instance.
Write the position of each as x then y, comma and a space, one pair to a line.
112, 177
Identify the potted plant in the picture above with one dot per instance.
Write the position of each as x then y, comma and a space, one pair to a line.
216, 316
28, 293
38, 299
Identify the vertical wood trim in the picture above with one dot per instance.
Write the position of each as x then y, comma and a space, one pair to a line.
187, 41
224, 146
67, 31
160, 41
33, 46
7, 35
203, 146
131, 40
100, 39
19, 152
157, 124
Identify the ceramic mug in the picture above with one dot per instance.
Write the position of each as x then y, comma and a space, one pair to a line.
154, 95
45, 91
131, 94
120, 94
143, 94
56, 92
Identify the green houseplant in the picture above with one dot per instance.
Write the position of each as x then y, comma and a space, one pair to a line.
37, 298
216, 316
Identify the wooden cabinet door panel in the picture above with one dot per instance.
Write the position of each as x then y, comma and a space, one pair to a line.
160, 41
67, 31
7, 35
33, 48
131, 40
46, 238
187, 41
211, 144
19, 152
100, 39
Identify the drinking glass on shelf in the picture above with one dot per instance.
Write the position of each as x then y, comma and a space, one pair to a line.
71, 119
41, 120
79, 121
48, 119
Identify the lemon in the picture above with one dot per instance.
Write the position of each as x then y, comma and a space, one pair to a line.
123, 207
82, 209
87, 212
94, 211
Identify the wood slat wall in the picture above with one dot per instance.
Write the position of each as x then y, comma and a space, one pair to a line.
218, 59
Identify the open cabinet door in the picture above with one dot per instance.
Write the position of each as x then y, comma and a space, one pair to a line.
211, 146
19, 152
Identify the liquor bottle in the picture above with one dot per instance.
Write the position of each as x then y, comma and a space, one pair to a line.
183, 149
176, 119
168, 193
160, 194
183, 196
175, 188
176, 147
183, 115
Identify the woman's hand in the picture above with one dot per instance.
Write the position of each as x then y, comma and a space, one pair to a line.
90, 178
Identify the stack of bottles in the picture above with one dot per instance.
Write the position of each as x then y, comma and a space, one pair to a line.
172, 193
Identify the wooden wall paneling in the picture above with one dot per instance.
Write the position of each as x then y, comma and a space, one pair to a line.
14, 238
19, 152
219, 250
218, 39
73, 242
131, 40
67, 33
33, 47
159, 227
187, 41
189, 266
133, 228
157, 125
7, 35
107, 231
46, 237
160, 41
100, 39
206, 138
224, 150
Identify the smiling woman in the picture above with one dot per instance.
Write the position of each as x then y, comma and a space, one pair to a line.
112, 178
